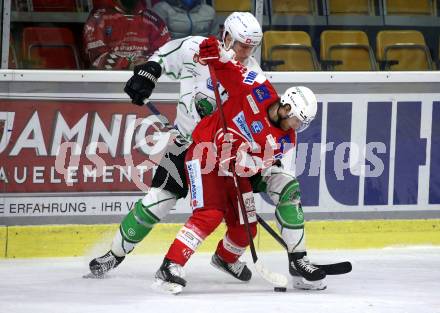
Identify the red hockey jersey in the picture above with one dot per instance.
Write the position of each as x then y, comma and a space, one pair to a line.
115, 40
249, 96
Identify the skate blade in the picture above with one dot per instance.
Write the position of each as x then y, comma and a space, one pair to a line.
303, 284
166, 287
93, 276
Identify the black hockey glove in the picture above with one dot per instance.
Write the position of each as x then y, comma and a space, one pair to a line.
140, 86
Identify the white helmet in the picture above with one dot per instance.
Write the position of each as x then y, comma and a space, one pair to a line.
303, 105
243, 27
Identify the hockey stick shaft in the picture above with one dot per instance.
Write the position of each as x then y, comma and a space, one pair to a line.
163, 119
270, 230
165, 123
152, 107
234, 175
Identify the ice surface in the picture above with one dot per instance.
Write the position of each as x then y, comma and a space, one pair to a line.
400, 280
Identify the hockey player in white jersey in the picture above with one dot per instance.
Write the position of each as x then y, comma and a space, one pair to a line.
242, 35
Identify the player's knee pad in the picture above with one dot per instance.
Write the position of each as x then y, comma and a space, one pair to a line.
276, 183
159, 202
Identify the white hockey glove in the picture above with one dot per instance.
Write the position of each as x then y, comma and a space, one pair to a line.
178, 137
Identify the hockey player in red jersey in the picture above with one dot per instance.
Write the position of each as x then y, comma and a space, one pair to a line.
120, 37
257, 121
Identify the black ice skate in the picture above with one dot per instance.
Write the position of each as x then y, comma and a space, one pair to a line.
304, 274
238, 269
169, 278
100, 266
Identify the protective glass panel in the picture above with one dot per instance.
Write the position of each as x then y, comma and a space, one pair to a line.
355, 26
119, 34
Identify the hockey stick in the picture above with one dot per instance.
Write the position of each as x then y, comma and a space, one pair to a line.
276, 279
330, 269
162, 118
164, 121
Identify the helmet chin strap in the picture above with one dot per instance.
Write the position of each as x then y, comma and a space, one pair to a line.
230, 46
231, 41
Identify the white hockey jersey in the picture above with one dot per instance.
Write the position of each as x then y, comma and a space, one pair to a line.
177, 60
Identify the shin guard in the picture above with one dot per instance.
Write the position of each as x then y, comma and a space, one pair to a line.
199, 226
290, 217
134, 227
235, 242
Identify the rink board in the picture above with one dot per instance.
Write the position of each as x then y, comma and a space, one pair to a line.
373, 149
3, 239
79, 240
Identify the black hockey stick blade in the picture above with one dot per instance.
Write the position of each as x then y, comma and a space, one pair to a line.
336, 268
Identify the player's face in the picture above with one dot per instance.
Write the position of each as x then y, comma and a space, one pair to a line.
290, 123
287, 122
242, 50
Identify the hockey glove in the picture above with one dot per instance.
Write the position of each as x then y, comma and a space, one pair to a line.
140, 86
209, 49
178, 137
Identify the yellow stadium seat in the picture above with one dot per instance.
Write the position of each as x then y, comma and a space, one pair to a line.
410, 7
294, 7
289, 51
404, 50
346, 51
350, 7
229, 6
